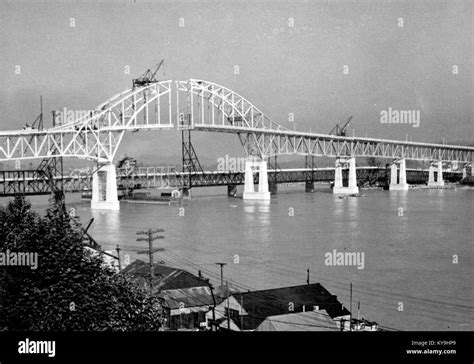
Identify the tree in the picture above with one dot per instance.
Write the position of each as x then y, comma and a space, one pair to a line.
70, 289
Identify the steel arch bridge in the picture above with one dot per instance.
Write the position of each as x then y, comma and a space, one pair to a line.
227, 111
202, 106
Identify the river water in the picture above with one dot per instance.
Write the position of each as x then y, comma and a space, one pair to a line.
417, 246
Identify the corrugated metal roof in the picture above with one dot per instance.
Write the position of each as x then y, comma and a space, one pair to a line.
187, 297
166, 277
301, 321
139, 267
279, 301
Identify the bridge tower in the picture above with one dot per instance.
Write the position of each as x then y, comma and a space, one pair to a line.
191, 162
398, 181
260, 167
438, 182
338, 182
104, 188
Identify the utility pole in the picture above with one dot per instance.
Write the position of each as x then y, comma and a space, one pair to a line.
150, 238
213, 326
358, 312
222, 277
118, 256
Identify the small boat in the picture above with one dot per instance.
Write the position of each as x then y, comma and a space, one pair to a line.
357, 195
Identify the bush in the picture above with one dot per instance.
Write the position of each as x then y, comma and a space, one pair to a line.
70, 289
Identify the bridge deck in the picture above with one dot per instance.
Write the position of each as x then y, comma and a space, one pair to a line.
28, 182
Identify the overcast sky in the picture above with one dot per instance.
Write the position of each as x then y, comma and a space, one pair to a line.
283, 69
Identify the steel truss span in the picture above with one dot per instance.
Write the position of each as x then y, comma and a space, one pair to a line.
95, 136
203, 106
206, 106
32, 182
271, 144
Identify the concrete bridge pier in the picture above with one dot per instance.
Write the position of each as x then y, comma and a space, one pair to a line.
104, 188
398, 182
337, 176
338, 183
262, 192
431, 177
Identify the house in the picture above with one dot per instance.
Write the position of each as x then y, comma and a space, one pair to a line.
248, 310
361, 324
301, 321
186, 308
185, 298
166, 277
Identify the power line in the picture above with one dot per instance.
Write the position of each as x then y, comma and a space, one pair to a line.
378, 293
390, 289
384, 304
363, 292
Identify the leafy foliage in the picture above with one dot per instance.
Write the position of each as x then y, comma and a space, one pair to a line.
71, 289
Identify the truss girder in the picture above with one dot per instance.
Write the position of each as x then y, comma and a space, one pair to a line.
265, 144
96, 135
30, 183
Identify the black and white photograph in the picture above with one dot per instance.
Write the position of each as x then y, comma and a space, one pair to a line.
208, 175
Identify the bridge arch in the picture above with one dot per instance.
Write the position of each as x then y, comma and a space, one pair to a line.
96, 135
233, 110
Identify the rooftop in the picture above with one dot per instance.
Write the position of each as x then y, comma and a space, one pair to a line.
166, 277
187, 298
302, 321
258, 305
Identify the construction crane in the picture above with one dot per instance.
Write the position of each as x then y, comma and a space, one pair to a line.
148, 77
340, 129
50, 168
38, 123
